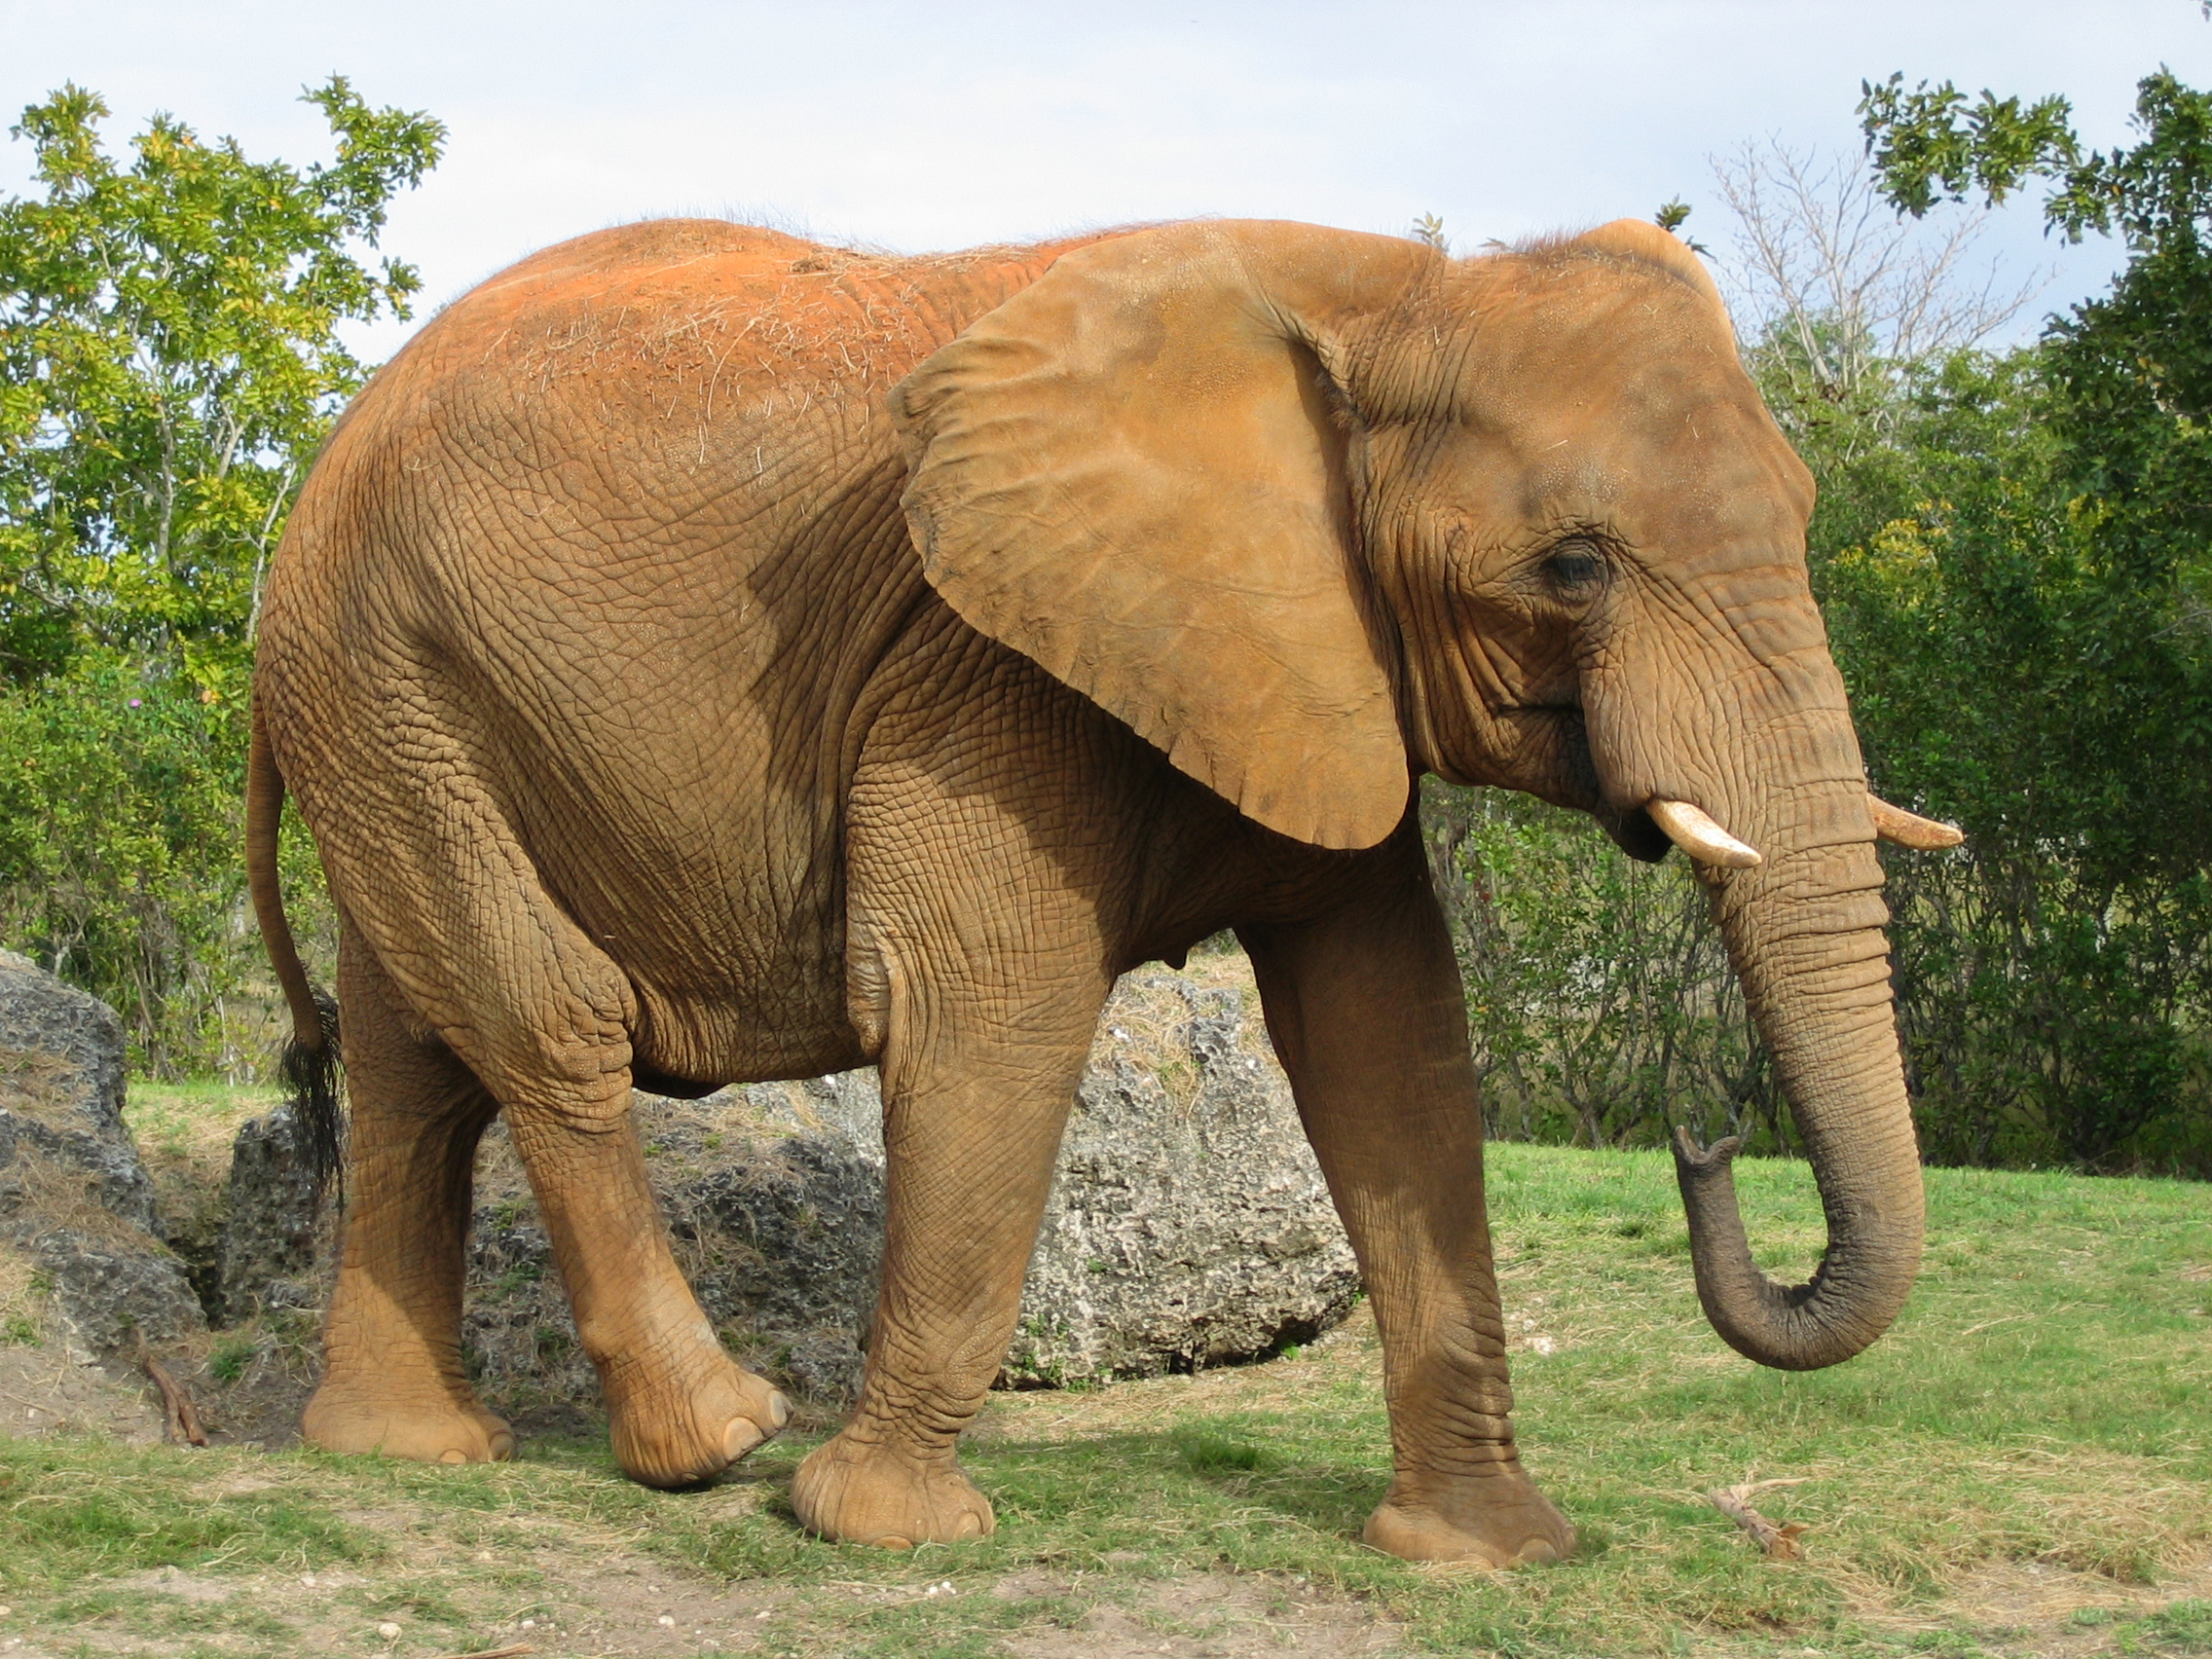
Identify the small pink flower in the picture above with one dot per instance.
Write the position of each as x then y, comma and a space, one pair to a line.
134, 702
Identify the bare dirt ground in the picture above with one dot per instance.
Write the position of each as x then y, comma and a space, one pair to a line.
564, 1589
2030, 1610
2017, 1472
43, 1392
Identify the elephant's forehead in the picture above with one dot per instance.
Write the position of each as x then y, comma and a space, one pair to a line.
1645, 437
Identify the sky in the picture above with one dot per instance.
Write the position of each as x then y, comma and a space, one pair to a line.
950, 123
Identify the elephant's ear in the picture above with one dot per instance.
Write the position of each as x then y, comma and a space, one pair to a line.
1132, 472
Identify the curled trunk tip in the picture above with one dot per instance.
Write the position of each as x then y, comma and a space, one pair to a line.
1848, 1303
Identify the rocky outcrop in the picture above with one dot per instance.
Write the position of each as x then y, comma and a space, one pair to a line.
275, 1233
775, 1208
1188, 1225
73, 1195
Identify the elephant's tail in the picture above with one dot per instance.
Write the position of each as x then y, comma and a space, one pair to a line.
310, 1059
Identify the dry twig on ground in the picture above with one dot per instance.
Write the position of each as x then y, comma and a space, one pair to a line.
1776, 1543
182, 1420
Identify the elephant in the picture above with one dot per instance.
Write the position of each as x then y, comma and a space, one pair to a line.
703, 656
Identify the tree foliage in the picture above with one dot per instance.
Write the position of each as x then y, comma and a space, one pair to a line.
169, 361
1600, 998
2068, 522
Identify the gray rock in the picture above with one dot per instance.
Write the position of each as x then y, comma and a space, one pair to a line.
73, 1193
1187, 1227
775, 1216
273, 1229
112, 1289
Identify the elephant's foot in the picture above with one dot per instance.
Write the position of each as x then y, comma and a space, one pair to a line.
869, 1493
679, 1427
432, 1430
1493, 1520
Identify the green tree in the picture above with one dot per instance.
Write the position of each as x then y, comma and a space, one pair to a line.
1599, 997
2029, 640
169, 361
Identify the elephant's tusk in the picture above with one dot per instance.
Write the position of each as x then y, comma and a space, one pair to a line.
1692, 831
1910, 830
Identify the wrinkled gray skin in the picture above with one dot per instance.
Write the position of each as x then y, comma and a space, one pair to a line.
703, 656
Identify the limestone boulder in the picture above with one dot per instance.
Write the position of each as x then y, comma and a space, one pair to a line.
775, 1208
276, 1237
1188, 1225
74, 1196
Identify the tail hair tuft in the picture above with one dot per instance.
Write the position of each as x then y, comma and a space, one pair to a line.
313, 1079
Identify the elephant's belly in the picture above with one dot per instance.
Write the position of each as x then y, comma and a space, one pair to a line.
692, 1041
738, 968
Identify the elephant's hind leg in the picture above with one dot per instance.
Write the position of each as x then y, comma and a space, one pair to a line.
453, 906
557, 1056
683, 1409
393, 1379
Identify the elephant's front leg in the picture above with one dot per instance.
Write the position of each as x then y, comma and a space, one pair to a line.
973, 1120
1368, 1013
976, 972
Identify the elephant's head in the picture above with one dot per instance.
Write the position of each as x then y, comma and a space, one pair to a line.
1313, 510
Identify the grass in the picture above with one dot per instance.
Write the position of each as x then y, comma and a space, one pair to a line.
180, 1119
2022, 1466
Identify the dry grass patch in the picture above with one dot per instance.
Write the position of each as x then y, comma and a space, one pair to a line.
185, 1132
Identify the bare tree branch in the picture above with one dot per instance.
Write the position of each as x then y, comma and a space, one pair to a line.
1821, 263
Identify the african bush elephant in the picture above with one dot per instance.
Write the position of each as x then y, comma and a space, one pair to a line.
702, 655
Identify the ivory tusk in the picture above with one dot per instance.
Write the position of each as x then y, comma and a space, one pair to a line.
1692, 831
1910, 830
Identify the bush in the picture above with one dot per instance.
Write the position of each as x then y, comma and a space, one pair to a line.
1600, 998
121, 821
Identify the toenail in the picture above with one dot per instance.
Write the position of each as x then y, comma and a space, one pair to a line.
970, 1526
741, 1437
452, 1456
779, 1409
893, 1542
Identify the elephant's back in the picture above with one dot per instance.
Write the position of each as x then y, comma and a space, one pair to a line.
620, 530
669, 420
697, 321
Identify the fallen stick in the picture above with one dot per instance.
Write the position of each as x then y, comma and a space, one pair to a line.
182, 1421
1776, 1543
513, 1652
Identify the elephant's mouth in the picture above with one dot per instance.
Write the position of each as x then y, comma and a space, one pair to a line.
1565, 722
1636, 833
1645, 832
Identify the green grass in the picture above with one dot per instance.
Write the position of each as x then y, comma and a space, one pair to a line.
2043, 1405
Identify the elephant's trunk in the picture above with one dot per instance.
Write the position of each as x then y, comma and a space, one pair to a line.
1805, 932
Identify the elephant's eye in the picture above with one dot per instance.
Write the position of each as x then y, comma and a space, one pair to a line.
1575, 567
